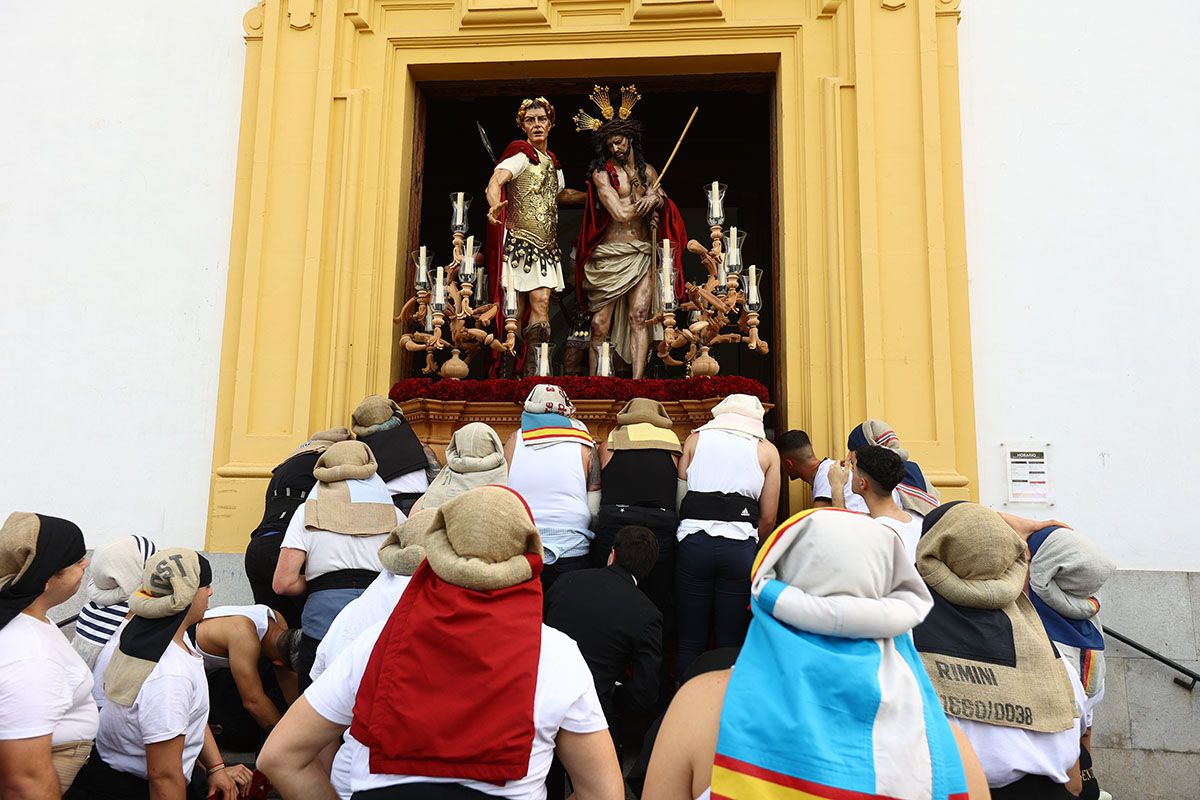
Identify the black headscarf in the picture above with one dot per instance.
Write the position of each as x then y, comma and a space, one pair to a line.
32, 548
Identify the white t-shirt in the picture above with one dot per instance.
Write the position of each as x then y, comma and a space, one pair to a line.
172, 702
330, 552
909, 532
372, 606
516, 164
822, 491
1009, 754
565, 698
45, 687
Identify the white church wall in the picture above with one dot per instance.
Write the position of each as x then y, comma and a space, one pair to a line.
117, 157
1080, 127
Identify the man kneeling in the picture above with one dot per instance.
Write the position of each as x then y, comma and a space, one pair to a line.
462, 692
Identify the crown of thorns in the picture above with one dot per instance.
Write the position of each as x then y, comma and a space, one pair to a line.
602, 97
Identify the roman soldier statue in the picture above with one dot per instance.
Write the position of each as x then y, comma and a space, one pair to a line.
625, 214
523, 196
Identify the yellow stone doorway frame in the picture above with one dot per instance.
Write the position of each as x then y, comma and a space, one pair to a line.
870, 248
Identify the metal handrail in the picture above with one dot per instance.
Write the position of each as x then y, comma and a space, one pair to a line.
1193, 677
62, 623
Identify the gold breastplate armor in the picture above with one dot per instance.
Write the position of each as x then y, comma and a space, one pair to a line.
533, 204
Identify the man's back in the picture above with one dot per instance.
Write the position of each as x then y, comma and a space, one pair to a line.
616, 627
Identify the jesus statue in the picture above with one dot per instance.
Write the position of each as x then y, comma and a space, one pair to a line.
625, 214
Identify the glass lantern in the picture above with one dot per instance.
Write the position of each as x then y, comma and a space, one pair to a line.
422, 258
460, 202
735, 239
466, 270
751, 283
714, 193
666, 275
543, 356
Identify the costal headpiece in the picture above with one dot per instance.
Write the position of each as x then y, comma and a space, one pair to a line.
602, 97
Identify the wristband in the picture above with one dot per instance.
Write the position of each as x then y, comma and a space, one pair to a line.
216, 767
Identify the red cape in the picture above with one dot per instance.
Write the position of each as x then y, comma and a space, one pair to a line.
449, 689
595, 223
494, 250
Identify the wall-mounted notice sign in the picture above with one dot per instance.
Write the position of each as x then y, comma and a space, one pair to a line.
1027, 470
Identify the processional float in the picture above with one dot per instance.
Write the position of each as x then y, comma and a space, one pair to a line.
448, 310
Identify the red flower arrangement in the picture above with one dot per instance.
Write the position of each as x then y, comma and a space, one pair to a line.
497, 390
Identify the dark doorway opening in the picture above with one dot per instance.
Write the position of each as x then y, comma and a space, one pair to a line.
732, 140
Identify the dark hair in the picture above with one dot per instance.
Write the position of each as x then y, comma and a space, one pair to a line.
288, 645
636, 550
600, 154
793, 442
881, 465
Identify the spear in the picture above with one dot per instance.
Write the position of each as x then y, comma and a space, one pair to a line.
671, 158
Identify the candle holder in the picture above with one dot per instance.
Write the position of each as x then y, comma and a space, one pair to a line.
723, 309
735, 238
466, 270
452, 311
604, 361
715, 194
460, 202
543, 359
422, 258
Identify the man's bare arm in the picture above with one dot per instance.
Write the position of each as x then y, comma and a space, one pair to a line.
499, 178
571, 197
619, 209
244, 653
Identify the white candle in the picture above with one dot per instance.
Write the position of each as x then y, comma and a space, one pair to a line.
668, 272
468, 264
605, 365
421, 258
439, 288
458, 209
752, 287
543, 359
735, 253
716, 199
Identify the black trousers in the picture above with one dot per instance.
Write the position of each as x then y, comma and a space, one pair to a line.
262, 554
305, 659
712, 583
562, 566
98, 781
1033, 787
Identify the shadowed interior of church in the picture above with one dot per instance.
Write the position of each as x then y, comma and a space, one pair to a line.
731, 141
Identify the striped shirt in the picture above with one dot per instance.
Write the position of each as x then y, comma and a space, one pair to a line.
98, 623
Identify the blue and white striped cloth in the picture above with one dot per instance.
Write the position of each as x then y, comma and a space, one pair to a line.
98, 623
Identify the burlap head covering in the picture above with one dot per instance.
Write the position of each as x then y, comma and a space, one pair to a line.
404, 549
474, 458
32, 548
479, 539
374, 413
321, 440
643, 409
983, 644
170, 581
349, 497
644, 424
